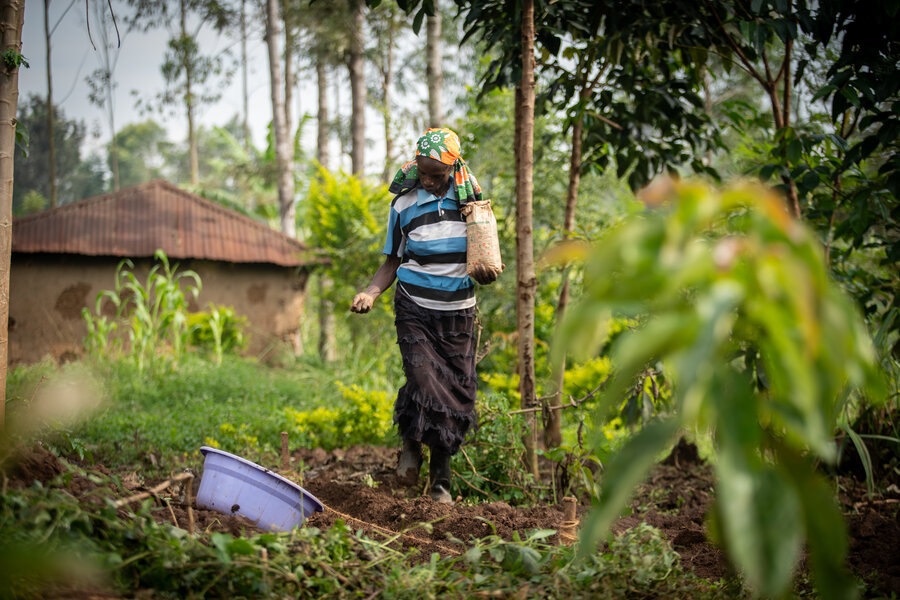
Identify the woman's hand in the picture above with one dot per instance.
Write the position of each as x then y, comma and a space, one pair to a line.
384, 277
362, 303
483, 276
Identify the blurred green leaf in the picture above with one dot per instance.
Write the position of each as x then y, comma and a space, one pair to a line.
627, 469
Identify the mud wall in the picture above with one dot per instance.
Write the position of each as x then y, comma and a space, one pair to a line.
48, 292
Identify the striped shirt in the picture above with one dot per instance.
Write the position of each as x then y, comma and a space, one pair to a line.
429, 235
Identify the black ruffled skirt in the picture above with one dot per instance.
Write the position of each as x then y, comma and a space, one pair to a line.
437, 404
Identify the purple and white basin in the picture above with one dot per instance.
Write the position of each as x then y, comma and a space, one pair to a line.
234, 485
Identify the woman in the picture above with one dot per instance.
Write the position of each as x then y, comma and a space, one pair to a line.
434, 306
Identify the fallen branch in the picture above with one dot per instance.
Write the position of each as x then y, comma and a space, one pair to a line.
154, 490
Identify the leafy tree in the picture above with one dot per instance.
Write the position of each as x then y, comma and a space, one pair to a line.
143, 152
186, 70
31, 170
344, 219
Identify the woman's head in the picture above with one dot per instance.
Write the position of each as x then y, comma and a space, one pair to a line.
434, 175
437, 153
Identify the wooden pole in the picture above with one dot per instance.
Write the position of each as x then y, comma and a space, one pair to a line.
285, 457
567, 531
189, 500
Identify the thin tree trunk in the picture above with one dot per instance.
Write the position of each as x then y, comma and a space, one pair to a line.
355, 66
245, 94
327, 341
114, 144
283, 154
322, 126
12, 15
289, 79
434, 74
386, 83
51, 140
189, 103
526, 281
793, 196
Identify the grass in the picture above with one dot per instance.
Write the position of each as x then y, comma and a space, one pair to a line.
240, 404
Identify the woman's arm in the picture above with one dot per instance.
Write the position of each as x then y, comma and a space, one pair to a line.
384, 277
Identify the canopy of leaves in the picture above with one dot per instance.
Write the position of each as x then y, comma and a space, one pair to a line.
76, 180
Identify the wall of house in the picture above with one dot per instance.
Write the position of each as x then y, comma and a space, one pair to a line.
48, 292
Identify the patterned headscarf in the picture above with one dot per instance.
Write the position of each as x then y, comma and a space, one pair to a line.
441, 145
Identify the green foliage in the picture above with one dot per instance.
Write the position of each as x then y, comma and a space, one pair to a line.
491, 461
218, 331
76, 178
761, 346
13, 60
143, 153
345, 219
365, 417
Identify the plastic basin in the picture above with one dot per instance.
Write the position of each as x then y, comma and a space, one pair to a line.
234, 485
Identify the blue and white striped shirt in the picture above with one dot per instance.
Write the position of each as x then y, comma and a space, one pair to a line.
429, 235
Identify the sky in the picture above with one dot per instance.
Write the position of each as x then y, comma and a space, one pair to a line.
138, 71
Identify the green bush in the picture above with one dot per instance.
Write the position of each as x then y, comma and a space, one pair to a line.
217, 331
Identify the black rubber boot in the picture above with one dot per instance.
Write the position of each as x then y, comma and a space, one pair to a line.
439, 475
410, 462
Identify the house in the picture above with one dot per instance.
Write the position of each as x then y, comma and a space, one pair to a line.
63, 257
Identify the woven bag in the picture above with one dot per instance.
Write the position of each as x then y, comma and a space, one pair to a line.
482, 242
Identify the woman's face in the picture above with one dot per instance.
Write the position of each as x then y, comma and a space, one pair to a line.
434, 175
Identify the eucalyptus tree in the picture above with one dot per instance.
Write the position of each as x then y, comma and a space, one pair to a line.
283, 148
356, 71
186, 70
324, 43
12, 18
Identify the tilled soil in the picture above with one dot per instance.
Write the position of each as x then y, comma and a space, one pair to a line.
357, 485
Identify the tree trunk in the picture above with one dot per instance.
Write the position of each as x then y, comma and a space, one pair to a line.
12, 15
322, 126
51, 140
386, 83
355, 66
526, 282
327, 340
114, 144
283, 153
552, 429
289, 80
245, 94
189, 104
434, 74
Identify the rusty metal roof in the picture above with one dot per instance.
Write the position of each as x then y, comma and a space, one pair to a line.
137, 221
